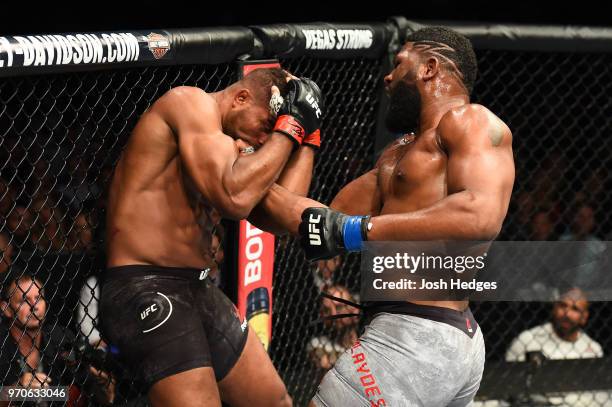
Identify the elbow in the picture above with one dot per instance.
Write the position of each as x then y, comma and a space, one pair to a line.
487, 229
237, 208
234, 213
484, 221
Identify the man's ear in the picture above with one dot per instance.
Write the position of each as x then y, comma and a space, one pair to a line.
242, 97
584, 318
430, 68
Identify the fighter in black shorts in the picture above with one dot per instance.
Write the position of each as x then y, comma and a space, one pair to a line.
185, 161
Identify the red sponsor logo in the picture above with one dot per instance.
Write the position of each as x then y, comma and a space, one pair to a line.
250, 68
253, 250
366, 377
158, 45
256, 264
289, 125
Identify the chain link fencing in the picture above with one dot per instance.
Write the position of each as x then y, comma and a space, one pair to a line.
61, 134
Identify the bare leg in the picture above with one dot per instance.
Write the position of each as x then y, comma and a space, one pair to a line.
196, 387
253, 381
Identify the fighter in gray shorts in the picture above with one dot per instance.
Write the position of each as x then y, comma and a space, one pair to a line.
448, 177
434, 357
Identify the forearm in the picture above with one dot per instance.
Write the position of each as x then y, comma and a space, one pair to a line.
283, 210
252, 175
460, 216
297, 175
295, 180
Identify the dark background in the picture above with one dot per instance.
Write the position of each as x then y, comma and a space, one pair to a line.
24, 17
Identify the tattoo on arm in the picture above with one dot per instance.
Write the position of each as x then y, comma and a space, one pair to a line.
496, 134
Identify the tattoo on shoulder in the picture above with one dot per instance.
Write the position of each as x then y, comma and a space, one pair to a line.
496, 134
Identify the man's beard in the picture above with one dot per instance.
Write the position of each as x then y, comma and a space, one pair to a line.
563, 331
404, 108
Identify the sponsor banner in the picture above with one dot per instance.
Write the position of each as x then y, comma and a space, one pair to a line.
485, 271
256, 259
325, 40
255, 268
338, 39
250, 66
83, 49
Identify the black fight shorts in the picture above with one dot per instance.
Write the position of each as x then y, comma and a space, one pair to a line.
164, 321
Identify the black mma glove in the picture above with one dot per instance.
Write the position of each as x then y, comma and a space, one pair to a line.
325, 233
300, 114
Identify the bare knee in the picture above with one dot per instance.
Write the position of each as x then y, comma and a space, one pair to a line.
285, 400
196, 387
276, 396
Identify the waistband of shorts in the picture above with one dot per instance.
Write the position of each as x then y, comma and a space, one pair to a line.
462, 320
146, 270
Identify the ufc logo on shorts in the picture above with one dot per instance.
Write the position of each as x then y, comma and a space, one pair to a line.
311, 100
313, 235
150, 309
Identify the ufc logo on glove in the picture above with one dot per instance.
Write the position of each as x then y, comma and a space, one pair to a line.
315, 238
325, 233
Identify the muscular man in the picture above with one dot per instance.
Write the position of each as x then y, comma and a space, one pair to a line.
182, 164
450, 180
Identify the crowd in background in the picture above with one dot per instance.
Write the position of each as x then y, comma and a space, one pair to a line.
55, 209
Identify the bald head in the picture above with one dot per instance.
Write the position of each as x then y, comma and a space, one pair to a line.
574, 294
245, 105
570, 313
260, 82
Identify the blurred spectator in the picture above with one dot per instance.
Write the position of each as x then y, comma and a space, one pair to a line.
542, 228
586, 249
127, 392
583, 225
40, 182
6, 253
81, 232
47, 230
562, 338
20, 223
324, 271
20, 220
517, 226
594, 187
324, 350
546, 182
36, 355
7, 198
80, 186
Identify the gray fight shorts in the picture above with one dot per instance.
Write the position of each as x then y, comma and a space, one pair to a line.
412, 356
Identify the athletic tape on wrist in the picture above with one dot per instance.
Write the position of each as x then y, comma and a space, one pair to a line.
352, 233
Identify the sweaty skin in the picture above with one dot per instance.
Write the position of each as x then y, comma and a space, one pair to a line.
451, 181
177, 166
179, 173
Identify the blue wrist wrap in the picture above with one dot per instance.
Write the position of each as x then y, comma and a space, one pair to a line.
351, 233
